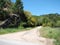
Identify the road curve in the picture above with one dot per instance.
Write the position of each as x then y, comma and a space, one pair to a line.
31, 37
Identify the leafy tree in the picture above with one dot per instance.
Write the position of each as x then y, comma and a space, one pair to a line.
7, 3
2, 3
31, 21
28, 14
18, 9
3, 12
49, 20
18, 6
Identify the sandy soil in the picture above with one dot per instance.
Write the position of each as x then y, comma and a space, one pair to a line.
32, 35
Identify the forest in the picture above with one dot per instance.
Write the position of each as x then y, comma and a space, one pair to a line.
12, 14
52, 20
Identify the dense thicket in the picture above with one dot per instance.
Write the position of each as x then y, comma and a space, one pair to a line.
11, 11
8, 8
52, 20
15, 15
31, 21
4, 5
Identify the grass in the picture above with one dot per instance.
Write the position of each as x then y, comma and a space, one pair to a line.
50, 32
11, 30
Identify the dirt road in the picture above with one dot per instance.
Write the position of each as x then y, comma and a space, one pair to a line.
30, 37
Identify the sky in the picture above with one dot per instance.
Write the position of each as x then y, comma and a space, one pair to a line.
40, 7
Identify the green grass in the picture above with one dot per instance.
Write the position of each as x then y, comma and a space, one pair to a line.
11, 30
53, 33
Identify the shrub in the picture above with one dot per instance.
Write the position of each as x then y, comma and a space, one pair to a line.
53, 33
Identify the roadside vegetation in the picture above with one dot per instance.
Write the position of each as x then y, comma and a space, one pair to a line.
52, 33
14, 18
51, 26
24, 20
13, 14
12, 30
52, 20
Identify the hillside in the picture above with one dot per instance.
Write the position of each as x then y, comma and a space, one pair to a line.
49, 20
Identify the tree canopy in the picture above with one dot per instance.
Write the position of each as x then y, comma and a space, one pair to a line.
49, 20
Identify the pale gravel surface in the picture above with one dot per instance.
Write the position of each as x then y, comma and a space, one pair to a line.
30, 37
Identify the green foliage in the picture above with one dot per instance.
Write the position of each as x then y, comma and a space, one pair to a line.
52, 20
58, 23
7, 8
3, 15
7, 4
12, 30
28, 14
31, 21
2, 3
18, 7
53, 33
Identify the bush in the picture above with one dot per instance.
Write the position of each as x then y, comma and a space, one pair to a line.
44, 25
58, 24
4, 15
53, 33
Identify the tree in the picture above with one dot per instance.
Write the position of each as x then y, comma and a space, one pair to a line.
7, 3
18, 6
18, 9
2, 3
31, 21
28, 14
3, 13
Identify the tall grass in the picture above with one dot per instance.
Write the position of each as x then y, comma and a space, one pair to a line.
49, 32
11, 30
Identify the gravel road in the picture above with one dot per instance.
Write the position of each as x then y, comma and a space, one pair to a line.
30, 37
